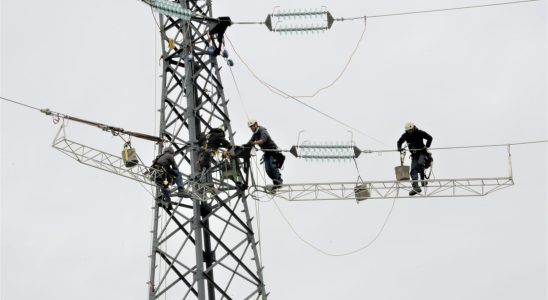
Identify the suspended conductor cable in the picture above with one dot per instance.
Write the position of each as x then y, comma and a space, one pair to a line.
411, 12
280, 92
447, 9
345, 66
344, 253
464, 147
19, 103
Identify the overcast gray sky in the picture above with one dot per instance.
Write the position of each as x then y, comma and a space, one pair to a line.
468, 77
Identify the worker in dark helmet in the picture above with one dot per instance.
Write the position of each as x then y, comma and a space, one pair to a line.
166, 162
273, 159
415, 142
209, 145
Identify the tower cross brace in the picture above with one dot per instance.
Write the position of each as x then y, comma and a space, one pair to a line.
203, 247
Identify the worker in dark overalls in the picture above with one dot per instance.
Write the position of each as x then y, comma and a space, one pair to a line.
414, 138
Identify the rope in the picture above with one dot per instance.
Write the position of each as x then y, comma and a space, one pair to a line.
343, 253
255, 185
239, 93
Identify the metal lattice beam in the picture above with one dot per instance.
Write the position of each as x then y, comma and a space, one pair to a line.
100, 159
390, 189
301, 191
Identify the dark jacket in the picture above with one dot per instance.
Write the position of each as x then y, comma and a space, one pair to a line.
415, 140
167, 159
215, 139
262, 134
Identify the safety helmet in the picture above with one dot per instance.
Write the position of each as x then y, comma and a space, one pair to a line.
409, 126
251, 122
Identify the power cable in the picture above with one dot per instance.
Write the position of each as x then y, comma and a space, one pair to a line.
344, 253
343, 70
410, 12
464, 147
104, 127
280, 92
447, 9
363, 151
19, 103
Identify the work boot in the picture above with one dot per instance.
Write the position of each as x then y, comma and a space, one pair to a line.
423, 182
277, 184
416, 189
163, 202
182, 193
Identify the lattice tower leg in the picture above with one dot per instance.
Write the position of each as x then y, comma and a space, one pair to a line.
206, 244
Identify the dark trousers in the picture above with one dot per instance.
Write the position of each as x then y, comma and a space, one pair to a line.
178, 181
417, 166
272, 170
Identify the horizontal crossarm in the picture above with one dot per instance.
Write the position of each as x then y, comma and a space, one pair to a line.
389, 189
101, 160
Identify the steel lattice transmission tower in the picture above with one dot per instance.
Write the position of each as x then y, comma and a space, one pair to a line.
203, 247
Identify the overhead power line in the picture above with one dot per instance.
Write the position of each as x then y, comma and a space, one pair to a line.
379, 232
338, 152
411, 12
112, 129
19, 103
466, 147
280, 92
343, 70
446, 9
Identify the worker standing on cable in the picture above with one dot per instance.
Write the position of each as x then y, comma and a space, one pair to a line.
166, 163
273, 159
415, 141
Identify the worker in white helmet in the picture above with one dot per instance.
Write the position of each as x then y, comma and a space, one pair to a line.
273, 159
415, 142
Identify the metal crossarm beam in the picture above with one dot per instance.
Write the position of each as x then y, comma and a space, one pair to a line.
101, 160
391, 189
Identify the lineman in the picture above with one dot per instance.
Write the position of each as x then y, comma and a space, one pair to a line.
166, 161
272, 158
415, 141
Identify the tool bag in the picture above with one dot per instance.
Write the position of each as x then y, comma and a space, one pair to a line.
129, 156
402, 172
